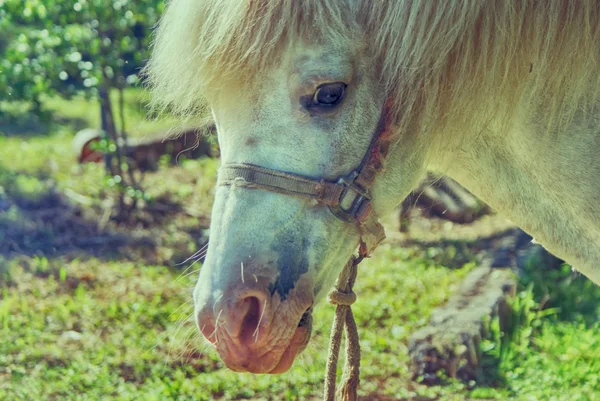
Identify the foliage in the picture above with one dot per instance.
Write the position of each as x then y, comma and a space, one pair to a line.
505, 346
548, 338
558, 286
66, 46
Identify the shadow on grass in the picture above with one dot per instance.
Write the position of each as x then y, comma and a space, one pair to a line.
36, 220
554, 283
455, 253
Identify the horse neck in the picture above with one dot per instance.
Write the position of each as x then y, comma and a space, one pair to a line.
547, 183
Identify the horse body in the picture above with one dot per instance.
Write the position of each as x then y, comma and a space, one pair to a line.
549, 185
501, 96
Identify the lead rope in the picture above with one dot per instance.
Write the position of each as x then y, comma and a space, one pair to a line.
343, 296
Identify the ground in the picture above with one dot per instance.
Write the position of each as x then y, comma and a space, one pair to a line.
90, 310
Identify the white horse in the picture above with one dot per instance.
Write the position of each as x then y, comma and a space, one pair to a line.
499, 95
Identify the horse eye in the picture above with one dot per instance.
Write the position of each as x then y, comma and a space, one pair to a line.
329, 95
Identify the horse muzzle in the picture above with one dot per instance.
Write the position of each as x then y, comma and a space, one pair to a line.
254, 328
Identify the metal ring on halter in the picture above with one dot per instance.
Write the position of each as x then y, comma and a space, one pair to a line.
347, 208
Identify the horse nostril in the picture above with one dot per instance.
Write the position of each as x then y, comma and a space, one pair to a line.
250, 322
254, 309
306, 318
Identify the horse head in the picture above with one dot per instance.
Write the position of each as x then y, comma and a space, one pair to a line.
272, 255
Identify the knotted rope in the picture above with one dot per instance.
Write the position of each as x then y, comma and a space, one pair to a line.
343, 296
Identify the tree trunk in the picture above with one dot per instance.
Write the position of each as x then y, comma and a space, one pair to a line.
124, 135
108, 126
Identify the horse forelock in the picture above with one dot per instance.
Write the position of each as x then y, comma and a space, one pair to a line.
449, 66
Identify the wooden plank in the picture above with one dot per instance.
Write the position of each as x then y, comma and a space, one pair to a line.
451, 340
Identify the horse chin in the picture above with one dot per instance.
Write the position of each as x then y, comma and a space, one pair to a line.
270, 361
297, 345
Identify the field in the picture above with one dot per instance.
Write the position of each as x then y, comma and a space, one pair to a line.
90, 310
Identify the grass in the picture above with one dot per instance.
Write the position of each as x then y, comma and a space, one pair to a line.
104, 314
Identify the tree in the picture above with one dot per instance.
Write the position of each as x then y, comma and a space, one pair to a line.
85, 46
67, 47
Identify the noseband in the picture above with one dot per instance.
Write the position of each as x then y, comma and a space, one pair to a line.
348, 197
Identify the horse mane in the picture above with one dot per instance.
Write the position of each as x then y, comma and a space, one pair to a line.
448, 65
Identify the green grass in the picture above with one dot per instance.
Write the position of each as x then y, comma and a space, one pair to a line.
113, 324
131, 347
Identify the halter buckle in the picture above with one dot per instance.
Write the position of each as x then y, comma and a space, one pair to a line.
351, 199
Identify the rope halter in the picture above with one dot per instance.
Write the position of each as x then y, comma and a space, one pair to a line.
343, 296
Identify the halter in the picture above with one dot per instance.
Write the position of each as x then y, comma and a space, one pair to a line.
349, 199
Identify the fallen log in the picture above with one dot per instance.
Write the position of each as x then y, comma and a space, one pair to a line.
145, 152
450, 342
